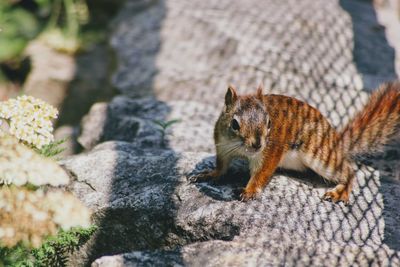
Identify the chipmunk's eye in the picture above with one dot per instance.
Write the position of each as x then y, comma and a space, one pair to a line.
235, 125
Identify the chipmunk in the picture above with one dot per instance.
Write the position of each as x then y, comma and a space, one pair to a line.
272, 131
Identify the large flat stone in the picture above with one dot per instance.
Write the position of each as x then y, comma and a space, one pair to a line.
142, 201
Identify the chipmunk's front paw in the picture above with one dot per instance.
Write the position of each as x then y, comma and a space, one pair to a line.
202, 177
337, 194
247, 195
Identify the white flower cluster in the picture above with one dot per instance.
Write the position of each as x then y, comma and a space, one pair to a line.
29, 119
29, 216
67, 210
20, 165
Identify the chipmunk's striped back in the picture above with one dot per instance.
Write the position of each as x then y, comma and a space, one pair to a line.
307, 138
310, 141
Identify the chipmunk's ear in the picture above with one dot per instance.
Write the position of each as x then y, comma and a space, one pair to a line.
260, 90
230, 96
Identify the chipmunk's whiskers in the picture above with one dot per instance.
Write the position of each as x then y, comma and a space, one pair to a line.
228, 148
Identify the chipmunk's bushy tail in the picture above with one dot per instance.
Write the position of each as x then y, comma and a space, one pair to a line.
376, 124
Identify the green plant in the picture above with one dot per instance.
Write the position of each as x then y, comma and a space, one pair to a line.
53, 252
163, 127
17, 27
52, 149
63, 29
16, 256
61, 19
29, 178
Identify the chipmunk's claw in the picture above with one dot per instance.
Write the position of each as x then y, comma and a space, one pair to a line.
247, 195
336, 197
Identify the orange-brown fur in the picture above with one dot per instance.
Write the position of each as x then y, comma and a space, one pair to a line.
276, 130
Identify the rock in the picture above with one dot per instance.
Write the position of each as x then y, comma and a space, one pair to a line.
161, 50
69, 134
278, 251
49, 79
140, 259
177, 58
142, 202
90, 83
388, 14
8, 90
124, 119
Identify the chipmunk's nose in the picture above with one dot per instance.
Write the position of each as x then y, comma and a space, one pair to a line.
256, 145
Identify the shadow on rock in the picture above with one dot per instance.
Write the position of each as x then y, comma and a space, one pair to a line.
375, 60
372, 54
130, 186
229, 186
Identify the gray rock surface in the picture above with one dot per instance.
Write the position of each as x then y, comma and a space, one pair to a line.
175, 59
125, 119
48, 75
143, 201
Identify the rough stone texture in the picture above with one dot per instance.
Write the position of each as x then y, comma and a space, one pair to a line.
49, 79
295, 47
388, 13
144, 201
89, 85
130, 120
176, 58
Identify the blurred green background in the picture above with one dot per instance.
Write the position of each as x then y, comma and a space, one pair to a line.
68, 26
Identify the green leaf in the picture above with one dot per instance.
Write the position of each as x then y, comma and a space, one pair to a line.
52, 149
159, 123
11, 48
165, 124
171, 122
44, 2
53, 251
17, 26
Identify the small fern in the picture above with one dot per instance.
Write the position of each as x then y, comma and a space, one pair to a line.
54, 251
52, 149
16, 256
163, 126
